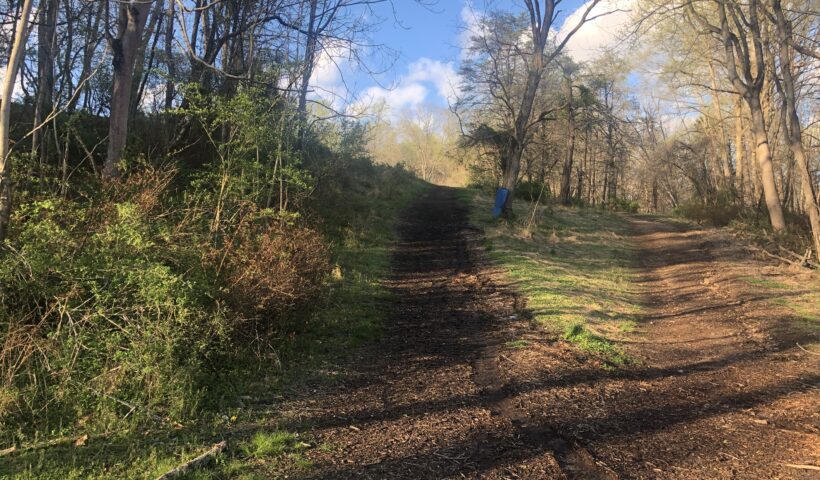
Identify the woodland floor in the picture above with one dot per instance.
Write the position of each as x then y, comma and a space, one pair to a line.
718, 386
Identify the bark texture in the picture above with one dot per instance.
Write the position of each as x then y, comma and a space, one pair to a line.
566, 172
6, 91
130, 25
794, 129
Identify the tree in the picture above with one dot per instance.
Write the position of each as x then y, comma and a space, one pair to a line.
18, 47
525, 51
568, 69
130, 25
746, 70
46, 39
794, 130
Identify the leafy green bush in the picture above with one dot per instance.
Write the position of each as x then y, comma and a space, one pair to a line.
122, 306
719, 213
533, 191
482, 178
622, 205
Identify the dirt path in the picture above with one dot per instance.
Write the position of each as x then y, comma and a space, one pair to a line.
718, 392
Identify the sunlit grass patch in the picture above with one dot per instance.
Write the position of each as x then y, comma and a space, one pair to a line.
627, 326
576, 267
807, 306
767, 283
803, 296
800, 296
270, 444
590, 342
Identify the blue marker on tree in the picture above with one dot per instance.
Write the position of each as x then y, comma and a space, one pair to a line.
500, 200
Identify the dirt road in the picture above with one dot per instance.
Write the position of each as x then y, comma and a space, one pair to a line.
719, 389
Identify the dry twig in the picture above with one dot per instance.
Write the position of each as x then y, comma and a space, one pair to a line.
802, 467
195, 463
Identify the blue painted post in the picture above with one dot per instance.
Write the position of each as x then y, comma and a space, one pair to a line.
500, 200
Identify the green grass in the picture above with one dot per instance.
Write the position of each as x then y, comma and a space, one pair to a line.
358, 222
271, 444
767, 283
576, 267
803, 301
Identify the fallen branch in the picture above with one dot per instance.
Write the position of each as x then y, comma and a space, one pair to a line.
195, 463
807, 351
132, 407
804, 263
802, 467
52, 443
802, 258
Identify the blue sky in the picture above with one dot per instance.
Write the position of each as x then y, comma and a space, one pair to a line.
429, 41
435, 32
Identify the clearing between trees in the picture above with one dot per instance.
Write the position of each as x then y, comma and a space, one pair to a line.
466, 383
574, 343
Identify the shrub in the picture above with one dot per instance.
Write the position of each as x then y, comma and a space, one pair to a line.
482, 178
122, 305
100, 313
718, 214
532, 191
271, 269
622, 205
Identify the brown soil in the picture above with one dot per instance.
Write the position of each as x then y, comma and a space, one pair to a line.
719, 389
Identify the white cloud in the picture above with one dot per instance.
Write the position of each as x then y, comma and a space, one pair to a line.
600, 34
412, 89
393, 100
327, 79
472, 26
442, 75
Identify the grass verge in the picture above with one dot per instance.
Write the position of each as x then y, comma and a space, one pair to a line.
358, 222
801, 296
575, 266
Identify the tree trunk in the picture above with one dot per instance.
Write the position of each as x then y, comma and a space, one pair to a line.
763, 156
45, 77
520, 129
740, 150
140, 75
567, 170
747, 72
91, 40
511, 172
169, 56
6, 91
723, 151
131, 23
311, 42
65, 75
794, 129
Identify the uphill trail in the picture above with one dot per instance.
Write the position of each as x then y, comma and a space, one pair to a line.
716, 389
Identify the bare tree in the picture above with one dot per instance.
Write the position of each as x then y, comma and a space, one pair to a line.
746, 68
566, 174
21, 32
794, 129
132, 15
46, 38
527, 51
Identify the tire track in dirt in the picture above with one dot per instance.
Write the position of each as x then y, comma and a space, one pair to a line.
718, 391
429, 400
